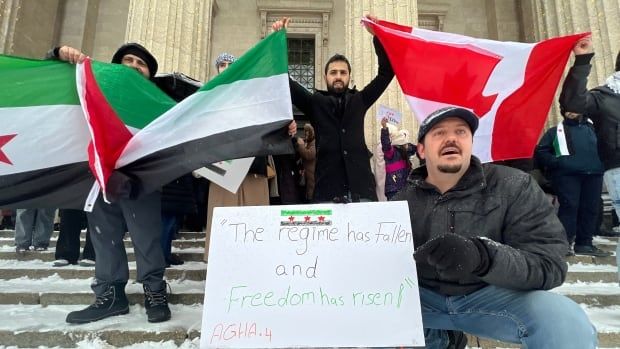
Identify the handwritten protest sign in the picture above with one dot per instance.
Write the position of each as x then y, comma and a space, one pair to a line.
227, 174
393, 116
327, 275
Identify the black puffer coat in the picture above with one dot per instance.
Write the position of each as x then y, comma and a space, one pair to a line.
343, 159
503, 206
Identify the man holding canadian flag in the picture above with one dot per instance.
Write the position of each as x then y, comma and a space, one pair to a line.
488, 243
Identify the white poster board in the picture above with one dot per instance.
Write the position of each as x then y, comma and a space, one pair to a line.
227, 174
393, 116
326, 275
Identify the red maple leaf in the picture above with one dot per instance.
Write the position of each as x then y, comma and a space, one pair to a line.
4, 140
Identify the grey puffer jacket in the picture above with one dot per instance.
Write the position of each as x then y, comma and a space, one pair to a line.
503, 207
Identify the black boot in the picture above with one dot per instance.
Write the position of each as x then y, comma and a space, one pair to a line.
156, 304
112, 301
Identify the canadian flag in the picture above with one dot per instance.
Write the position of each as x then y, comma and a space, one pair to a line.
509, 85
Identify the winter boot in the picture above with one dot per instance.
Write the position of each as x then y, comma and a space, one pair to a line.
156, 304
112, 301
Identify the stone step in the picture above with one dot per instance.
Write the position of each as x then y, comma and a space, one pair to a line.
34, 325
186, 254
55, 290
182, 235
609, 260
9, 243
605, 340
12, 269
24, 329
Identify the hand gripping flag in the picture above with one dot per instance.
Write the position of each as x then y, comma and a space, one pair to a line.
509, 85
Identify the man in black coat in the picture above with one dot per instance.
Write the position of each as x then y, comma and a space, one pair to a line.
602, 105
343, 161
488, 245
109, 223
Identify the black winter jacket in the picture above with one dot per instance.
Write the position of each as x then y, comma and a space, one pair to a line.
581, 142
343, 159
506, 209
600, 104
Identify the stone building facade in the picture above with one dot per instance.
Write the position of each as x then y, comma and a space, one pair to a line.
187, 35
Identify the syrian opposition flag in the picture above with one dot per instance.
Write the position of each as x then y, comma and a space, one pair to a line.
509, 85
560, 145
242, 112
43, 136
136, 130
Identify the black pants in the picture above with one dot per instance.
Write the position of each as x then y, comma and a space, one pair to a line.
109, 223
68, 246
579, 197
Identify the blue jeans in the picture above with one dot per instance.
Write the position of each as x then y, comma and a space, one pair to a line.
612, 182
535, 319
34, 227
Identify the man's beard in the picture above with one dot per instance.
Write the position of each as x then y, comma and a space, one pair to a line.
450, 168
333, 89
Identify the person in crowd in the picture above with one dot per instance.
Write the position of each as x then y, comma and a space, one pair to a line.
488, 245
306, 148
7, 219
342, 161
33, 227
254, 190
177, 200
285, 184
68, 245
396, 153
569, 154
602, 105
110, 222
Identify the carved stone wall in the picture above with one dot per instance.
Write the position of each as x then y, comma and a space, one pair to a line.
177, 32
308, 19
548, 18
28, 28
361, 53
8, 18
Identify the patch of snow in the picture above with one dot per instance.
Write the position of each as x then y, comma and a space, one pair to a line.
56, 284
606, 320
592, 268
39, 264
589, 288
52, 318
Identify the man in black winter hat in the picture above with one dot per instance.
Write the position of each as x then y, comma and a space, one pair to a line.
131, 54
109, 223
487, 244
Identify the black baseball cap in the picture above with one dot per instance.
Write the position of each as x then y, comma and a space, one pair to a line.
136, 50
438, 115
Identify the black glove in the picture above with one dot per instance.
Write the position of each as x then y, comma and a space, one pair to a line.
454, 256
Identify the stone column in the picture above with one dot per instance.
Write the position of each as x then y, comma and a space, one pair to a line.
548, 18
28, 28
79, 24
8, 17
361, 53
177, 32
